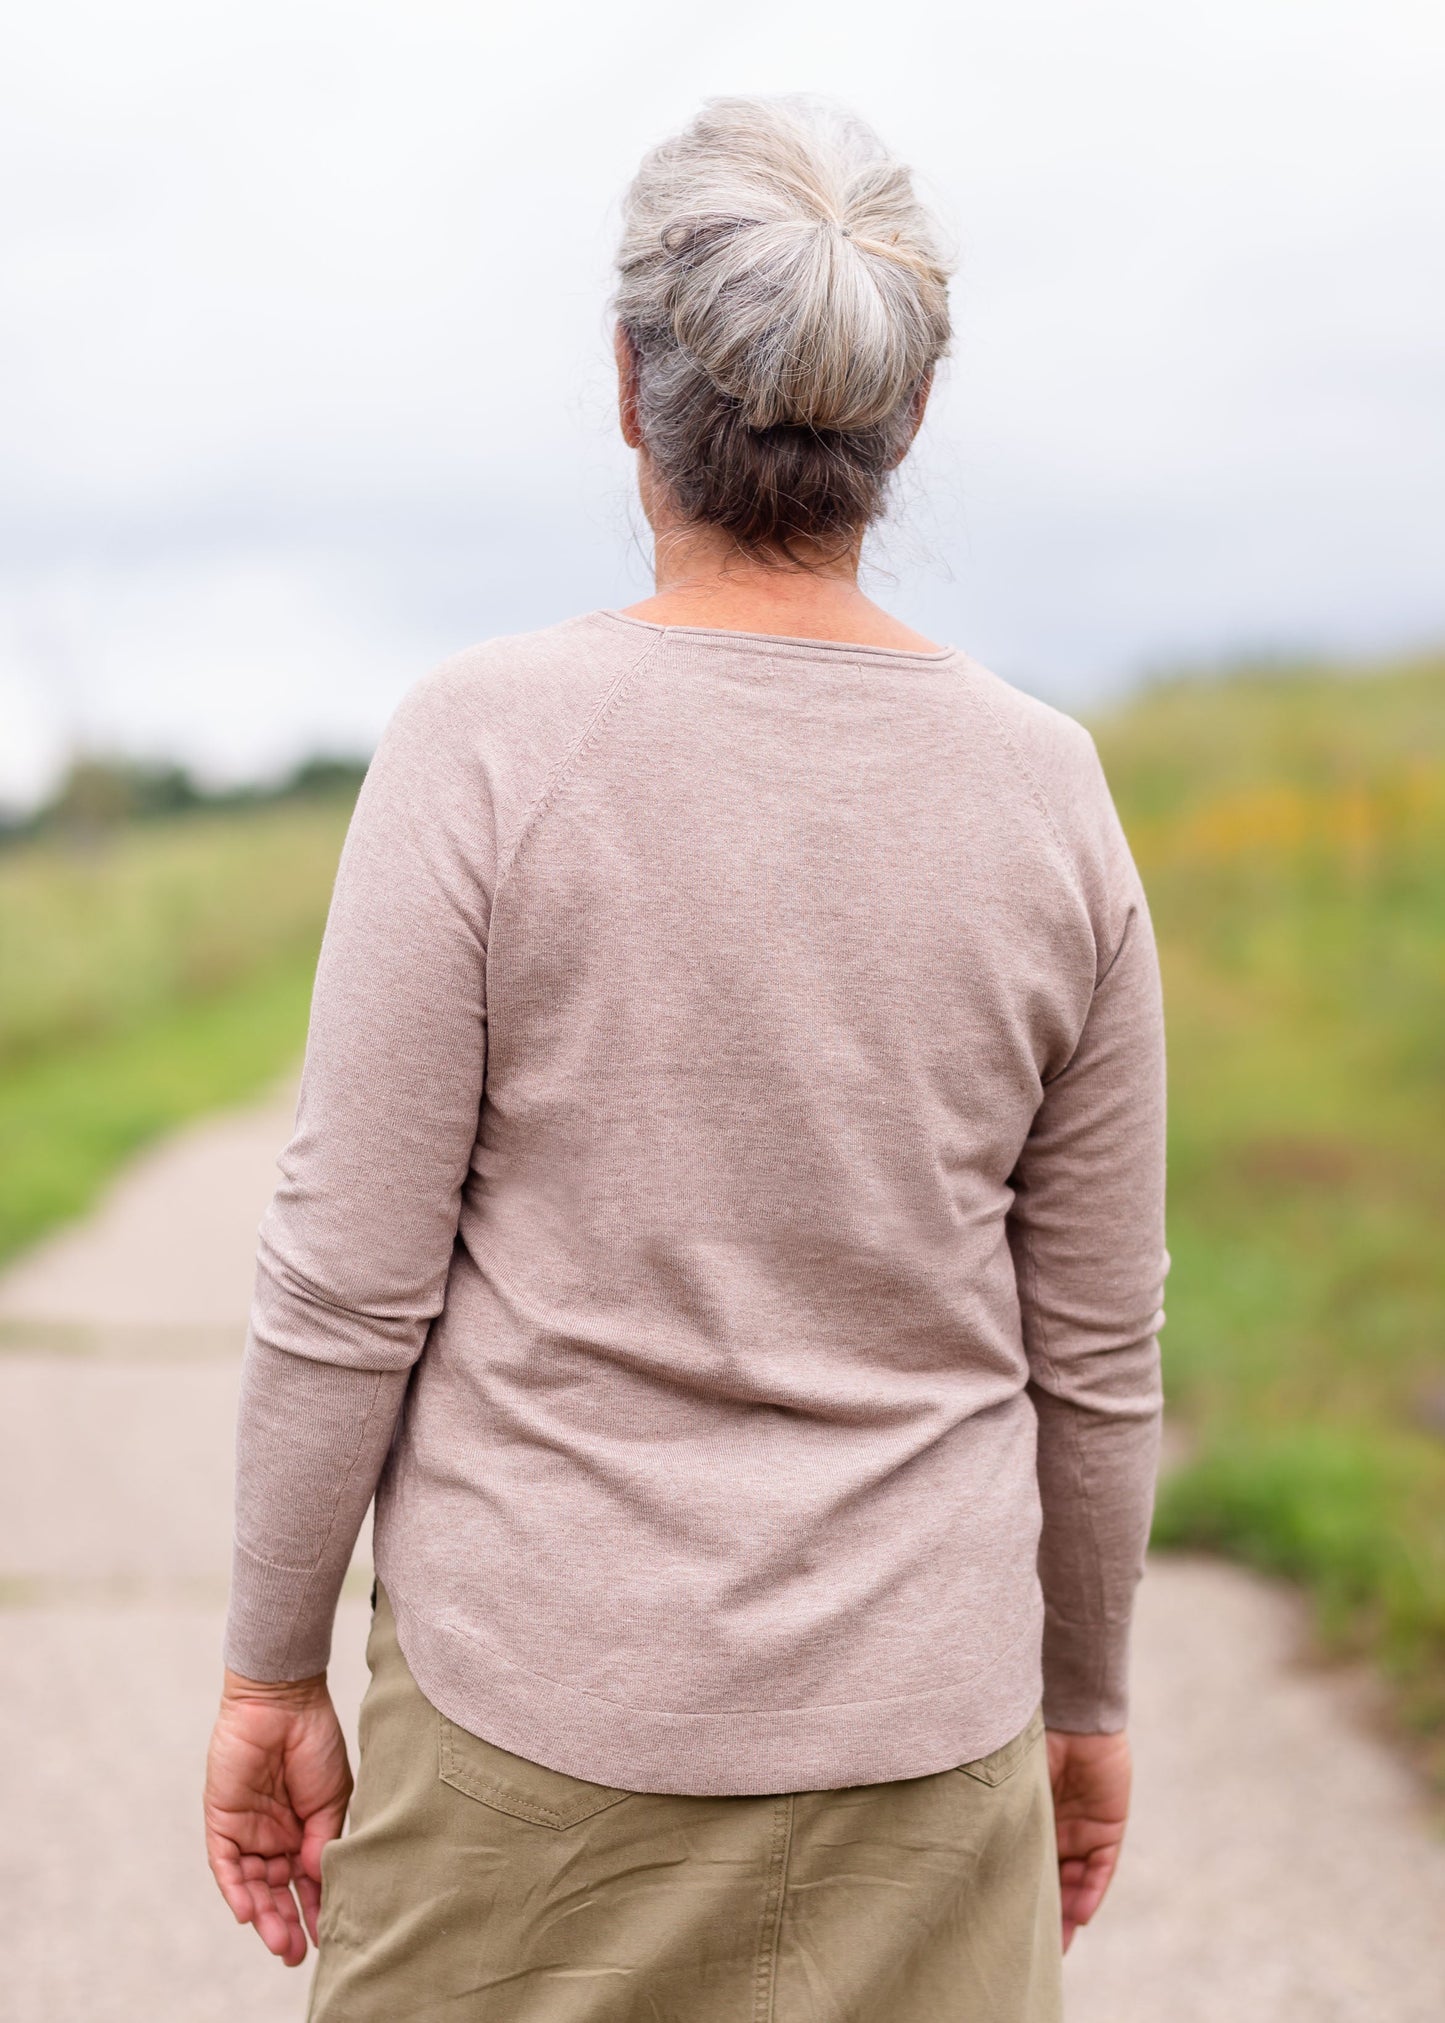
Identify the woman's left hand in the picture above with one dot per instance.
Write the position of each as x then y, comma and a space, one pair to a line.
277, 1787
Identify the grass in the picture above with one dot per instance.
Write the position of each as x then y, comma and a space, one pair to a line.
1291, 833
71, 1117
98, 936
149, 976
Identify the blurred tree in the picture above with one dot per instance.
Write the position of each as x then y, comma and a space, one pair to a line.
98, 793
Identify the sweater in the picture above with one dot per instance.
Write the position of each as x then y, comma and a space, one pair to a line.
724, 1223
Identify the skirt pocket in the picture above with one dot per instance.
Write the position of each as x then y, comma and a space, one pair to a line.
1001, 1763
516, 1785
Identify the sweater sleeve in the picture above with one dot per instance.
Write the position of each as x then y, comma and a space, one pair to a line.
356, 1245
1087, 1231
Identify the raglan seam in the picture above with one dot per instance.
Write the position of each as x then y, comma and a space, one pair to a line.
1041, 801
555, 780
1030, 781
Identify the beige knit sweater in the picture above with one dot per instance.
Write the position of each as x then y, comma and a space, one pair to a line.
724, 1223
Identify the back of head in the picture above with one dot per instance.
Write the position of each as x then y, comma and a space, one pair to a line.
786, 299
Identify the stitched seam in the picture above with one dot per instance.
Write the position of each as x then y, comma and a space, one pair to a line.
766, 1985
584, 742
1089, 1622
272, 1565
1040, 800
1031, 785
457, 1629
1081, 1467
342, 1488
1047, 1081
281, 1566
768, 644
1108, 969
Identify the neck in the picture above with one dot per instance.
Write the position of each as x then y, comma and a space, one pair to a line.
704, 578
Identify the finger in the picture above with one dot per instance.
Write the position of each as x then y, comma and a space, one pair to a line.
225, 1866
284, 1937
320, 1830
296, 1949
264, 1914
1083, 1883
1071, 1886
1100, 1874
274, 1869
238, 1899
308, 1892
277, 1922
271, 1908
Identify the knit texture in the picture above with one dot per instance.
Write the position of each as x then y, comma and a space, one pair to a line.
724, 1223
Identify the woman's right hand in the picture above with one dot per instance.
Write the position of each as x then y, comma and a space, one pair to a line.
277, 1787
1090, 1775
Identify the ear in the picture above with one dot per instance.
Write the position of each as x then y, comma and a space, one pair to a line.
916, 411
920, 399
626, 388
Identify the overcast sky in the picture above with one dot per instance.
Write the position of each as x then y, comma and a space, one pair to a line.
305, 357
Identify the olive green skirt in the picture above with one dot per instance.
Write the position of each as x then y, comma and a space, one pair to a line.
477, 1887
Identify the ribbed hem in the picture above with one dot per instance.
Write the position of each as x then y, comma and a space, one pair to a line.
726, 1754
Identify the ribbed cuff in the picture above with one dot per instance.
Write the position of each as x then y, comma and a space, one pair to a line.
278, 1625
1086, 1675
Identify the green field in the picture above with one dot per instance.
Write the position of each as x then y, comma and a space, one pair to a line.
148, 973
1291, 831
1291, 834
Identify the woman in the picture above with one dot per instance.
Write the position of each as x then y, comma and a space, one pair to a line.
724, 1227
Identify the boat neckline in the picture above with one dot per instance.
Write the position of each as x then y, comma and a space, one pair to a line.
842, 648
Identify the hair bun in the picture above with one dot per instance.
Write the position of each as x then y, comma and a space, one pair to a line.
778, 252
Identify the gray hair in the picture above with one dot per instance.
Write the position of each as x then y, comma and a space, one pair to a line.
786, 299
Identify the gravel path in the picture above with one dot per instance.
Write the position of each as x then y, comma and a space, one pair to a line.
1280, 1865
